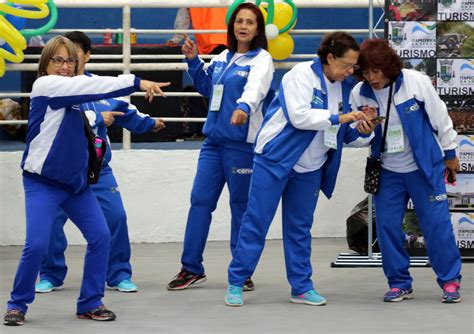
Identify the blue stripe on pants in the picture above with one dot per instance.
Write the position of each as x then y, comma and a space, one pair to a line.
217, 165
299, 193
432, 211
42, 202
54, 267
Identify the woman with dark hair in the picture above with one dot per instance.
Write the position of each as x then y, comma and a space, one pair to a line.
418, 150
237, 82
55, 175
298, 153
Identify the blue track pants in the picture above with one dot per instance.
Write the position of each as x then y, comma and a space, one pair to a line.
217, 165
299, 194
42, 202
54, 267
432, 210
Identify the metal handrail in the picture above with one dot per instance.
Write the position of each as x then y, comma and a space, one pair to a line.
203, 3
165, 119
203, 31
127, 67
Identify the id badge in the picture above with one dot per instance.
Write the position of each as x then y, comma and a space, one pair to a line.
330, 136
217, 94
395, 141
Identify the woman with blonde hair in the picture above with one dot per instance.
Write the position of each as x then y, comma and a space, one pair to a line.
55, 175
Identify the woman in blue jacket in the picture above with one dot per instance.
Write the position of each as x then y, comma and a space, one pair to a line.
419, 147
237, 82
298, 152
55, 170
101, 114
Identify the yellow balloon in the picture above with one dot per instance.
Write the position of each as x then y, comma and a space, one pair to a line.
2, 67
283, 13
281, 47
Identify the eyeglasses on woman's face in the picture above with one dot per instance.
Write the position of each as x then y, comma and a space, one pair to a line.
347, 66
59, 61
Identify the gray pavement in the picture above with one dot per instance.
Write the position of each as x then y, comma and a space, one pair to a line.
354, 298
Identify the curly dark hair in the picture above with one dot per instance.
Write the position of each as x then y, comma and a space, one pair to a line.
377, 54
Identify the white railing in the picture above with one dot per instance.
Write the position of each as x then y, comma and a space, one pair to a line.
203, 3
127, 67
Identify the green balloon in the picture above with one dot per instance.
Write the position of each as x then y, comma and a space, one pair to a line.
48, 26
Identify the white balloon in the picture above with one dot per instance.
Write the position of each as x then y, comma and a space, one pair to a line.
271, 31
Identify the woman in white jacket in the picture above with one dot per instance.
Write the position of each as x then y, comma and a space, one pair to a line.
419, 148
55, 175
298, 153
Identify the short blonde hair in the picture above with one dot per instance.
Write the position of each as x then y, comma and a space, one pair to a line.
51, 48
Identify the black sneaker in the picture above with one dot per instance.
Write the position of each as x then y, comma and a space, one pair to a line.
14, 318
99, 314
248, 285
185, 279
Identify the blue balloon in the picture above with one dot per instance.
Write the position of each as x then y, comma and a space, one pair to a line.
16, 21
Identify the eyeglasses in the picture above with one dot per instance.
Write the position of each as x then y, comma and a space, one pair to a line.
59, 61
347, 66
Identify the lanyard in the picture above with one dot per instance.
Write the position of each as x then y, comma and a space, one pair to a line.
227, 66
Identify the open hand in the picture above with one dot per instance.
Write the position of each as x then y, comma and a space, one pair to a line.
151, 88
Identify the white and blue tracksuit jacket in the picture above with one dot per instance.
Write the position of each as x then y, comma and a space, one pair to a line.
285, 135
424, 119
246, 81
51, 154
132, 120
426, 124
54, 267
291, 123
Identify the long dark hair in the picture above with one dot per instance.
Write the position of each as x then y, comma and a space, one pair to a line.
259, 41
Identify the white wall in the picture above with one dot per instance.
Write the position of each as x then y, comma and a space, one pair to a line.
155, 186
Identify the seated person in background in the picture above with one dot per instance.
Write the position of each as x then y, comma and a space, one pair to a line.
202, 19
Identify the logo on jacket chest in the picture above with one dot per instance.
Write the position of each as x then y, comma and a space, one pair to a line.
105, 103
241, 73
218, 69
412, 108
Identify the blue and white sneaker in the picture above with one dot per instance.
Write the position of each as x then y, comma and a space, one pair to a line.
234, 296
45, 286
397, 295
311, 297
124, 286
